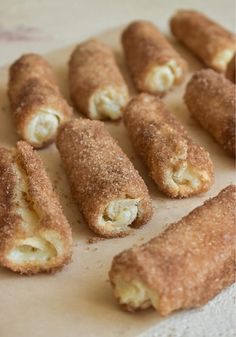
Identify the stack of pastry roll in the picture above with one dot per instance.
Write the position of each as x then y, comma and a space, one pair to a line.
185, 266
109, 191
179, 167
34, 233
210, 98
231, 70
97, 87
212, 43
37, 105
153, 63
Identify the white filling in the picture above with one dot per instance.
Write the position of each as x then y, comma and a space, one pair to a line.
162, 78
36, 246
43, 126
183, 177
222, 59
107, 103
32, 249
134, 294
119, 214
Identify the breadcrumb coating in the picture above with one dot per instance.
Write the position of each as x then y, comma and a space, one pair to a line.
211, 100
185, 266
153, 63
97, 87
179, 167
103, 181
208, 40
37, 105
34, 233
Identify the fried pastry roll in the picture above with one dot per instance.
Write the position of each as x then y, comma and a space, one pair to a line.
109, 191
34, 233
37, 105
97, 87
210, 98
212, 43
231, 71
185, 266
179, 167
153, 63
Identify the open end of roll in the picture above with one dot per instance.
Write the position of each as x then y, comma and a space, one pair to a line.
118, 215
161, 78
107, 103
43, 126
134, 295
33, 246
33, 249
222, 59
185, 179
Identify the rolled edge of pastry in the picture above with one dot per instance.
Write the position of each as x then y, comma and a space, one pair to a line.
97, 87
185, 266
179, 167
210, 98
231, 70
211, 42
34, 233
153, 63
110, 193
37, 105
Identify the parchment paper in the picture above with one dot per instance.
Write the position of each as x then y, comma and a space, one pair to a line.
78, 301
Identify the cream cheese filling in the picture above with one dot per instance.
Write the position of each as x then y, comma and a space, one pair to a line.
43, 126
222, 59
119, 214
181, 175
107, 103
32, 249
134, 294
34, 245
184, 176
162, 77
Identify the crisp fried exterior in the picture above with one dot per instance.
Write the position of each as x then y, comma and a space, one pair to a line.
92, 67
99, 172
40, 197
210, 98
163, 144
32, 87
231, 71
204, 37
190, 262
146, 47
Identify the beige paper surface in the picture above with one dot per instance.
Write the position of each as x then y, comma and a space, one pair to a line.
78, 301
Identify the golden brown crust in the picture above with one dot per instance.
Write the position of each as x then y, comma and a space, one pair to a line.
210, 98
146, 47
191, 261
40, 197
231, 72
32, 87
163, 144
92, 67
99, 172
204, 37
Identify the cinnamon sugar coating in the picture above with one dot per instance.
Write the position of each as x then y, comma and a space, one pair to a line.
99, 172
145, 48
208, 40
188, 264
231, 71
93, 69
30, 211
210, 98
179, 167
32, 89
